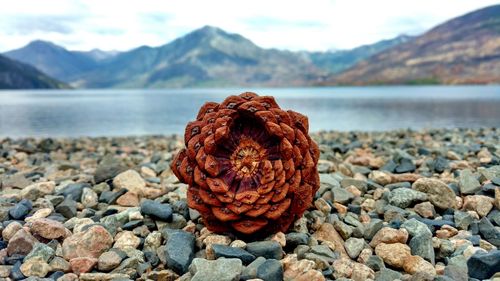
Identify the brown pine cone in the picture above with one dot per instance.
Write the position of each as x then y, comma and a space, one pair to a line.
250, 166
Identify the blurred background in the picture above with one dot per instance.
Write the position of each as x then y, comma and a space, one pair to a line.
113, 68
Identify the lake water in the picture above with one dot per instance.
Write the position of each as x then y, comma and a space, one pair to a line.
145, 112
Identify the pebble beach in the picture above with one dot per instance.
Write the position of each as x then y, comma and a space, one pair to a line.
395, 205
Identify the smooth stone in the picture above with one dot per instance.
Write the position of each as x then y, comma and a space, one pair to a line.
416, 228
108, 168
89, 198
354, 246
91, 242
59, 264
73, 191
329, 180
421, 245
181, 208
405, 197
82, 264
293, 239
110, 260
389, 235
67, 208
436, 223
21, 243
456, 273
48, 229
131, 181
440, 164
390, 166
15, 272
468, 183
462, 219
375, 262
267, 249
341, 195
56, 275
179, 251
484, 265
127, 266
327, 232
405, 166
110, 197
215, 270
250, 271
439, 194
232, 252
393, 254
19, 211
270, 270
386, 274
403, 184
343, 229
35, 267
41, 251
177, 222
324, 252
372, 228
494, 217
152, 258
489, 232
359, 184
157, 210
10, 230
496, 181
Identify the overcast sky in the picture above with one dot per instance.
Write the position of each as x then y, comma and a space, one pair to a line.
288, 24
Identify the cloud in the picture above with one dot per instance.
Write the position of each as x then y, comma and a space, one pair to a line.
284, 24
269, 22
33, 23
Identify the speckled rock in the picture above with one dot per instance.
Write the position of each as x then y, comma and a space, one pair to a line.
90, 243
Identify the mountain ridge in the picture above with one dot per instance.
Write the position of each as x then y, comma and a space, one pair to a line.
17, 75
462, 50
205, 57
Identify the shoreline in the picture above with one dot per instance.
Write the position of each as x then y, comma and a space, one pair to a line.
402, 204
314, 134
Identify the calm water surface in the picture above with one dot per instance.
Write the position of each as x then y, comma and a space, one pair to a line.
143, 112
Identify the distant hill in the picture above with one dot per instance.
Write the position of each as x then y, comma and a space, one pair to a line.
16, 75
54, 60
97, 55
206, 57
464, 50
337, 61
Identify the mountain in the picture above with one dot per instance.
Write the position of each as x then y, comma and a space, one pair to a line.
16, 75
97, 55
205, 57
337, 61
54, 60
464, 50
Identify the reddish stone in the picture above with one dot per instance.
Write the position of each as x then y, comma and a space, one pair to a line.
82, 265
90, 243
48, 229
21, 243
129, 199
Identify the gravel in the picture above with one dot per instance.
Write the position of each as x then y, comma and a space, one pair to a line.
408, 205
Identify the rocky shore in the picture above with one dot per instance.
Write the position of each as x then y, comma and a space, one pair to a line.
399, 205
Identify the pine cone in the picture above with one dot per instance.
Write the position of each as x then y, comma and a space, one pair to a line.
250, 166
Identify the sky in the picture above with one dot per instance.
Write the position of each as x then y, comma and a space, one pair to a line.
313, 25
